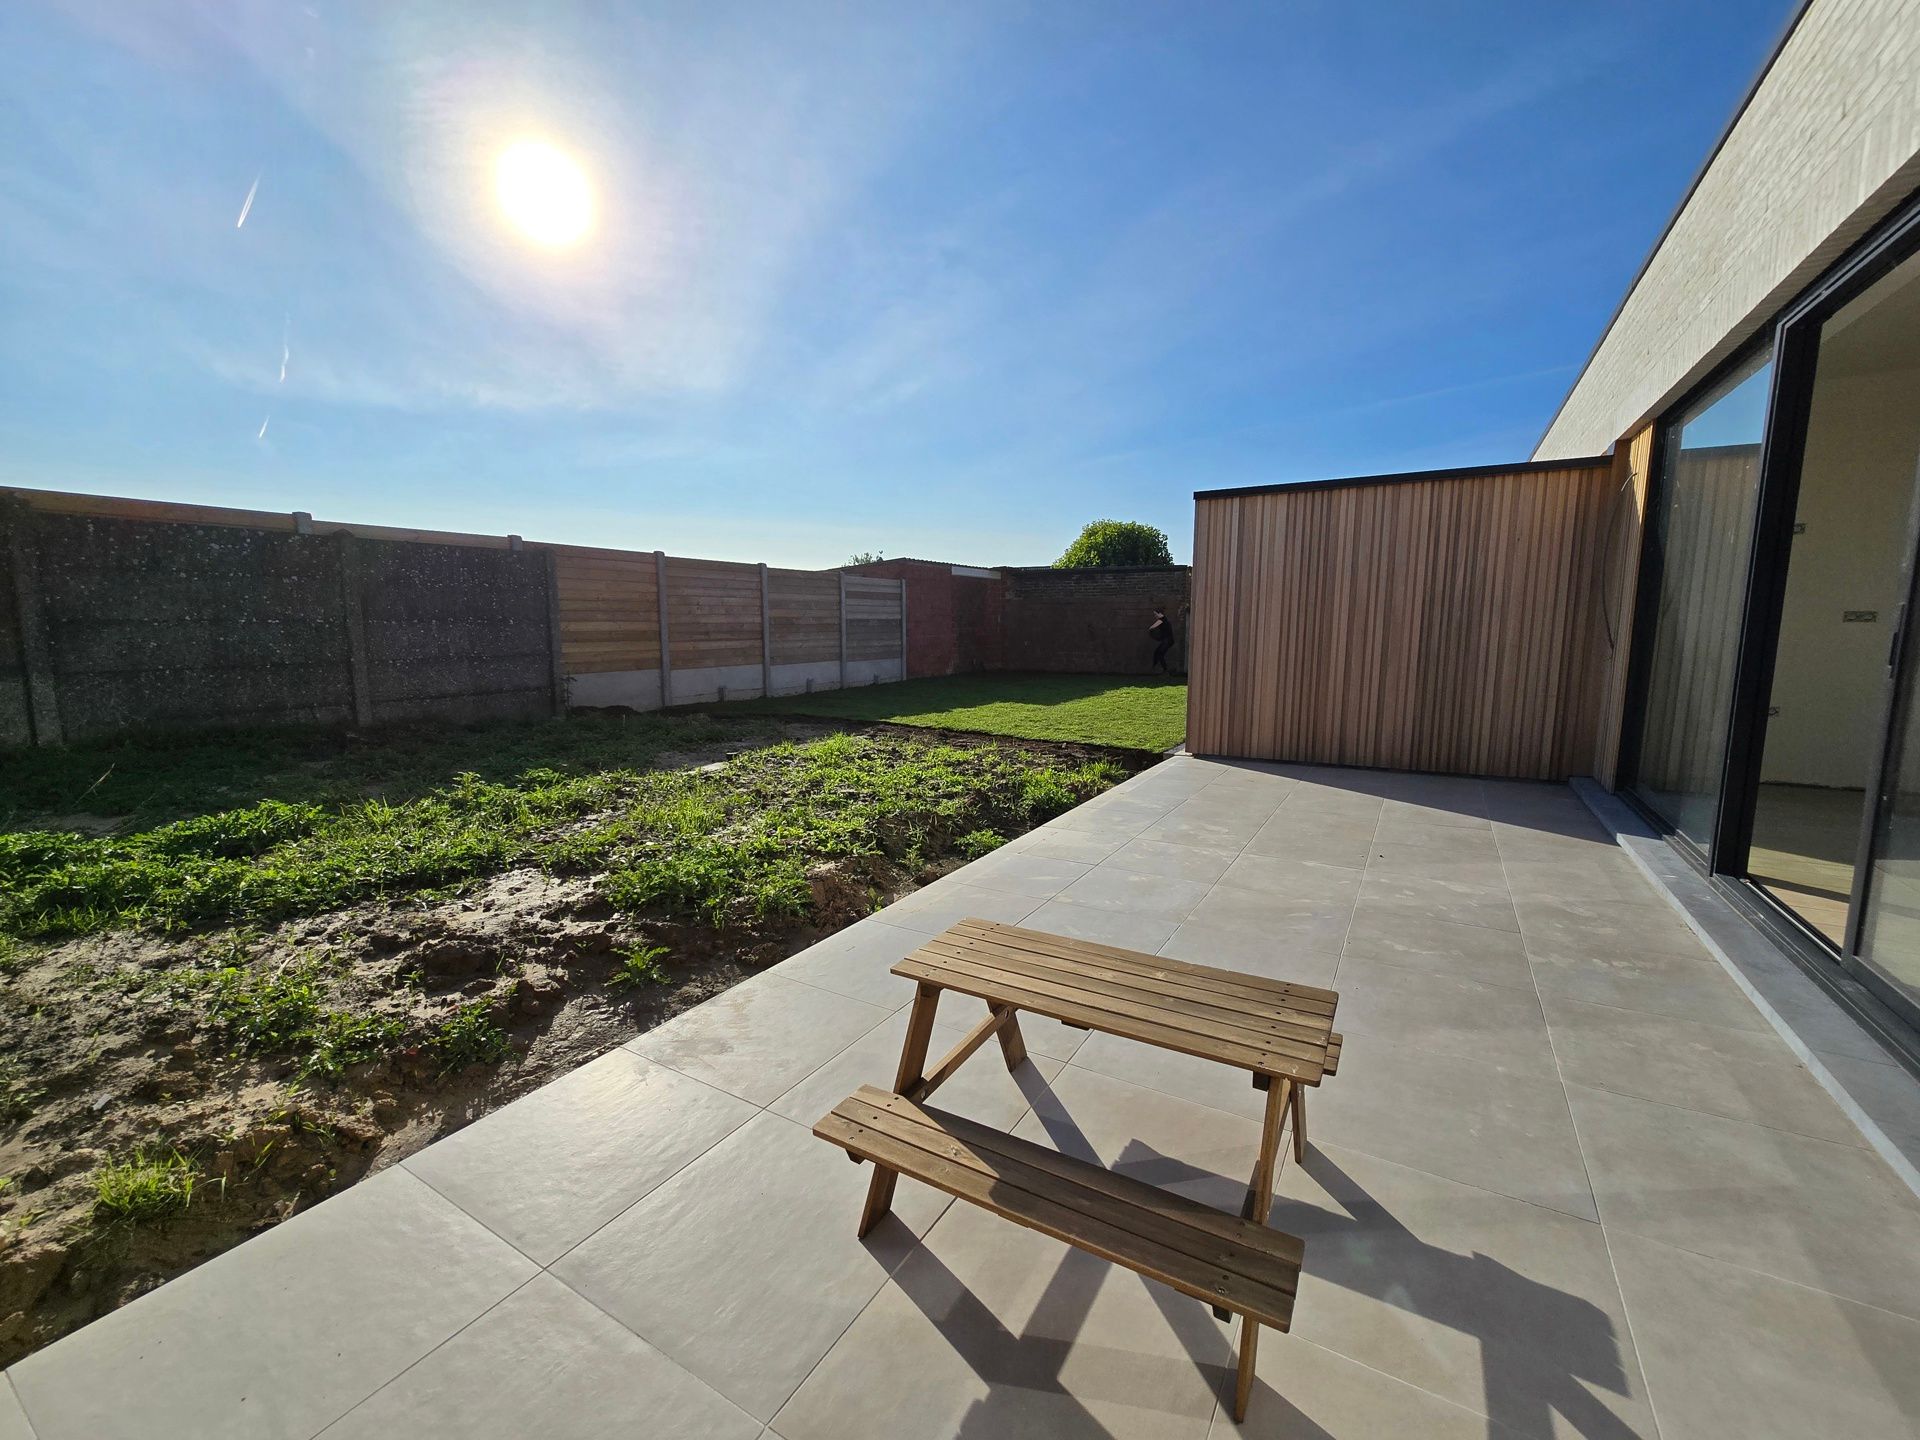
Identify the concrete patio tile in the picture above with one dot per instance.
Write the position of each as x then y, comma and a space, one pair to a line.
1454, 901
1304, 1392
1214, 832
1739, 1074
1562, 924
1731, 1352
1506, 1308
1574, 838
1288, 879
13, 1420
1600, 877
1658, 983
1499, 1025
1200, 1151
1395, 935
1111, 821
1204, 1082
983, 1089
548, 1170
1253, 953
577, 1373
935, 908
1456, 841
1020, 873
1101, 925
1080, 845
1329, 842
1459, 864
1461, 1119
1400, 819
991, 1330
1160, 896
1830, 1216
858, 962
283, 1334
1280, 921
744, 1268
1176, 862
756, 1039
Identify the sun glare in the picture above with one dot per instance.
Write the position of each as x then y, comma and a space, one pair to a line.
544, 192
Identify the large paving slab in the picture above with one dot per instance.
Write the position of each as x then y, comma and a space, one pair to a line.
1568, 1181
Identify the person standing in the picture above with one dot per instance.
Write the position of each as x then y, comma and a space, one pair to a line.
1162, 633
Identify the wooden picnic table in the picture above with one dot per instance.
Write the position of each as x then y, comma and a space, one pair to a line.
1279, 1032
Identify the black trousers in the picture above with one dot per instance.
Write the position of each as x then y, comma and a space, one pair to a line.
1160, 650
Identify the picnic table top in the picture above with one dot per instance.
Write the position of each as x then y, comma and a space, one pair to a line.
1271, 1027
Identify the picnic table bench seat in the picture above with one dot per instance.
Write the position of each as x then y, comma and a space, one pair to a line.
1222, 1259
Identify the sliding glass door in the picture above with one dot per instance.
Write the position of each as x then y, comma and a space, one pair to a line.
1699, 527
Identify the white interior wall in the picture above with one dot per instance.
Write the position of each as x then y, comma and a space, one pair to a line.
1857, 484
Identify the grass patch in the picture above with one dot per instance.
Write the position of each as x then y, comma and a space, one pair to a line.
143, 1187
1139, 714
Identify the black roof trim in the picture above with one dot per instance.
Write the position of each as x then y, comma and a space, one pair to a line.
1410, 477
1766, 68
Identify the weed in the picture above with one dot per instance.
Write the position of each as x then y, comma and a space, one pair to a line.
339, 1039
976, 843
143, 1187
641, 965
470, 1036
13, 956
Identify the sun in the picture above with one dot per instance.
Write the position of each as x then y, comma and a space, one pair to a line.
544, 192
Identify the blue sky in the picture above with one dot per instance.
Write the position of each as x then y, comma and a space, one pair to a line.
943, 280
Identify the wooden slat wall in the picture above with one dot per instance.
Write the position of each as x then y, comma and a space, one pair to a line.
1449, 625
713, 613
609, 611
873, 618
805, 606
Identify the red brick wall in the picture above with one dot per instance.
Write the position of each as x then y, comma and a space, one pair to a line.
1071, 621
1091, 621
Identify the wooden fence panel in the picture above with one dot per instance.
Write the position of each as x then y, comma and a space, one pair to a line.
805, 617
609, 610
1450, 624
713, 613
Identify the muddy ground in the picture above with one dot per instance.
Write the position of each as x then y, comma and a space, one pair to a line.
106, 1051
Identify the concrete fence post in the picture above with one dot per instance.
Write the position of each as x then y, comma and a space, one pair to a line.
36, 652
766, 634
843, 629
353, 607
666, 658
903, 627
556, 639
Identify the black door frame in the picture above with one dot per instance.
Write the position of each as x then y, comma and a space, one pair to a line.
1796, 345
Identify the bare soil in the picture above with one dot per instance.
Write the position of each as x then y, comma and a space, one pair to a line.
100, 1059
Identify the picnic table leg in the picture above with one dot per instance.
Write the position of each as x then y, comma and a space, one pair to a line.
1300, 1124
1011, 1044
1259, 1201
913, 1064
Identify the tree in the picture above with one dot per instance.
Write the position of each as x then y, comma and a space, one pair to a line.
1116, 542
866, 557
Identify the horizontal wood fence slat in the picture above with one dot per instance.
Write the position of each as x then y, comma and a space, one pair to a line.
1452, 625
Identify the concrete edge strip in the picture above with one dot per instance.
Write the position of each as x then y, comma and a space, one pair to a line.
1623, 826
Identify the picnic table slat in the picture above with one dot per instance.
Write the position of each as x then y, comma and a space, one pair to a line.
1309, 999
1073, 1008
1261, 1021
1195, 1249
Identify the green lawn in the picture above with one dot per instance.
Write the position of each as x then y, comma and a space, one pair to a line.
1134, 711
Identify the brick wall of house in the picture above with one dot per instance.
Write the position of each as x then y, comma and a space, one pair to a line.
1091, 621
